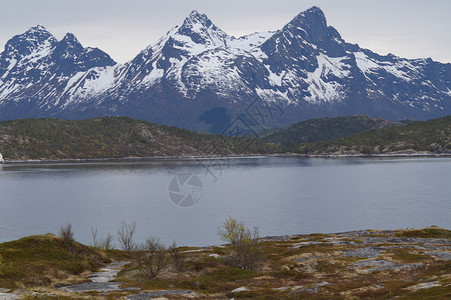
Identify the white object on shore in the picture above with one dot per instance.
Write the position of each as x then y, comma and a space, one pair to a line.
2, 161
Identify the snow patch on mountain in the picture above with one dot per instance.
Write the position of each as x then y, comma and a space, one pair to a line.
364, 63
42, 51
275, 79
154, 76
250, 41
7, 89
401, 68
91, 84
72, 83
322, 84
214, 69
12, 64
274, 96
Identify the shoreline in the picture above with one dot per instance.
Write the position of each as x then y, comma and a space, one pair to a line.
284, 237
207, 157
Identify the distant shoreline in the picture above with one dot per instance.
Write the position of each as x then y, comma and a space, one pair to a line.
206, 157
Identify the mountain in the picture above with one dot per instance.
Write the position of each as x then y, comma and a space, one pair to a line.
271, 79
36, 69
324, 129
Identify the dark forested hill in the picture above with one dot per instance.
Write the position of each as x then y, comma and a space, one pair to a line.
112, 137
432, 135
327, 129
122, 137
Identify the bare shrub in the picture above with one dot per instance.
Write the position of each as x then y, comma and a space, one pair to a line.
67, 234
178, 257
247, 254
104, 244
95, 242
126, 236
151, 257
244, 244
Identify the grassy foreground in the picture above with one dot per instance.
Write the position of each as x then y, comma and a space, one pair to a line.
402, 264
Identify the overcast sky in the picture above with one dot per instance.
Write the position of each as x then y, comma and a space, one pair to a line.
407, 28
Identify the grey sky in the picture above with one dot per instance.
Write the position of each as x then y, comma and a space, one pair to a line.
407, 28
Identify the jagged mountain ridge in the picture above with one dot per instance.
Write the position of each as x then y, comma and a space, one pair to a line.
35, 68
305, 69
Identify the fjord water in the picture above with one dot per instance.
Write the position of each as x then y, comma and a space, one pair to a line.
279, 195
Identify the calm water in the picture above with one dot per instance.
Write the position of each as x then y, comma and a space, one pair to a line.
279, 195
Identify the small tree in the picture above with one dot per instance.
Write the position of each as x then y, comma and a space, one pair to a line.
231, 231
245, 245
67, 234
126, 236
178, 257
151, 257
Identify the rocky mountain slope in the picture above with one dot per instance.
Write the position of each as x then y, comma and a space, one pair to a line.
301, 71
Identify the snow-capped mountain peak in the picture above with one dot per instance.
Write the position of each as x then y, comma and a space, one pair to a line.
36, 39
35, 67
314, 10
199, 29
71, 41
38, 27
196, 18
312, 26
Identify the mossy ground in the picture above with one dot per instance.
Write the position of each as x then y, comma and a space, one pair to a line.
45, 260
311, 266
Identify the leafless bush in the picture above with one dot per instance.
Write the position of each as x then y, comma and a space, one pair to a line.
95, 242
104, 244
245, 245
126, 236
247, 254
67, 234
178, 257
107, 242
151, 257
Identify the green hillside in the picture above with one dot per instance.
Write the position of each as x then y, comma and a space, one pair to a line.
432, 135
327, 129
112, 137
122, 137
